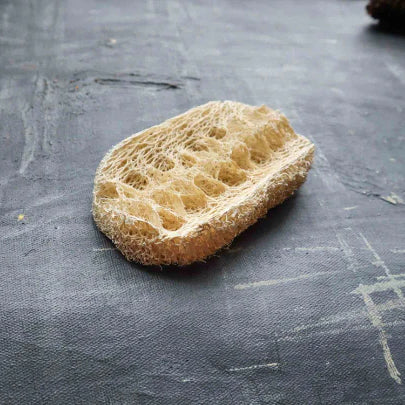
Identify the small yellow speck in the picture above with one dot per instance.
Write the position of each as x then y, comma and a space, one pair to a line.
20, 217
77, 87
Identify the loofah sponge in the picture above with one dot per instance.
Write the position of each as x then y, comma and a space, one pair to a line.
179, 191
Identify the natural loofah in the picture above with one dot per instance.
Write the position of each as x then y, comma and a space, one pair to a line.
179, 191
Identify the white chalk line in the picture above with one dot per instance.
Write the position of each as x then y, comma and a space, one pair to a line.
396, 71
335, 331
348, 252
389, 305
348, 316
314, 249
331, 320
380, 263
317, 249
255, 367
393, 199
393, 283
276, 281
400, 275
376, 320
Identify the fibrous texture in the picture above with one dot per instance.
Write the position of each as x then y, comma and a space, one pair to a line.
177, 192
388, 11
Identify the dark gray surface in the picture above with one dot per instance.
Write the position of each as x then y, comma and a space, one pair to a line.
79, 324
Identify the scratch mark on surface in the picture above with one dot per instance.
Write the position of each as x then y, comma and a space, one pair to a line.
330, 41
372, 309
51, 199
379, 262
29, 252
336, 331
104, 249
393, 199
397, 250
376, 320
350, 208
50, 115
389, 305
5, 91
354, 315
380, 286
255, 367
331, 320
5, 18
163, 84
111, 42
41, 102
327, 174
31, 139
348, 253
396, 71
282, 280
197, 79
392, 276
13, 41
317, 249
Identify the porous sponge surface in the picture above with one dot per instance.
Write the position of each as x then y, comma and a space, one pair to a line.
168, 181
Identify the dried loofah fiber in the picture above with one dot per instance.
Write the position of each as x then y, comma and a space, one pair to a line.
179, 191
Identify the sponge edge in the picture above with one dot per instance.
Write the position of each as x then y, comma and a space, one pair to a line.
179, 191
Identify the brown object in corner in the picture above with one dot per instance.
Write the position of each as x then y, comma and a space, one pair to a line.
388, 11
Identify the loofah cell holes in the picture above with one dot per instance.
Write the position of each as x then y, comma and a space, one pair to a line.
187, 159
163, 163
209, 186
192, 197
230, 174
197, 146
217, 132
141, 210
241, 156
170, 221
136, 180
107, 190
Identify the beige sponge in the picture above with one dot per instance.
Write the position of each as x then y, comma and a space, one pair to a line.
179, 191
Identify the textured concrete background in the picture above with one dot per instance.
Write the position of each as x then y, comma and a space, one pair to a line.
307, 306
